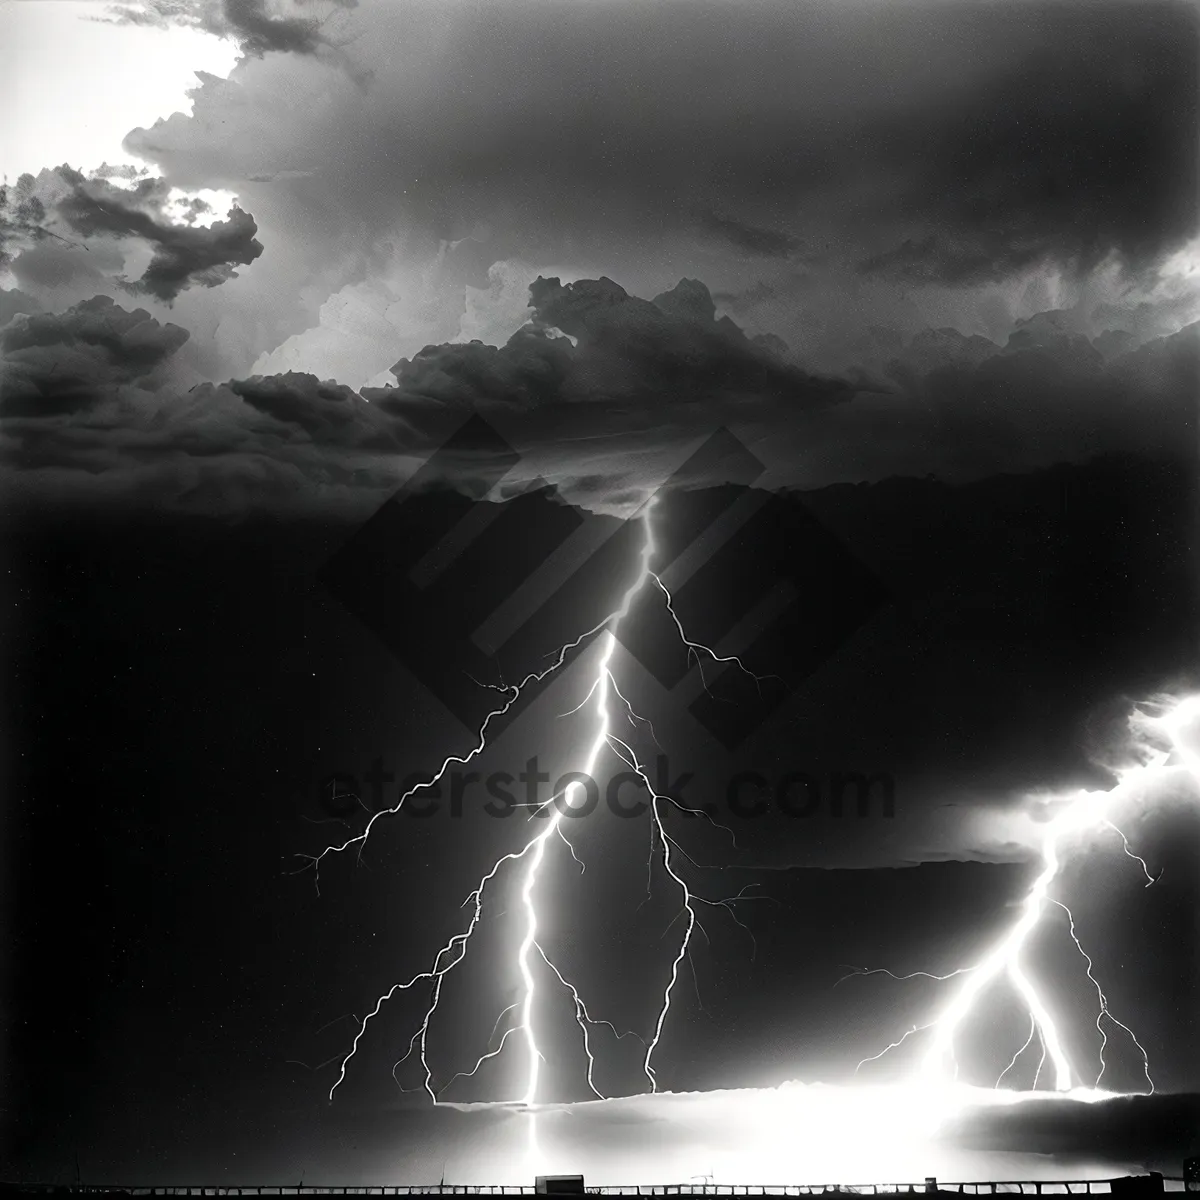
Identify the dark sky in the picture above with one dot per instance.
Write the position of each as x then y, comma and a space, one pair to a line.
185, 686
931, 266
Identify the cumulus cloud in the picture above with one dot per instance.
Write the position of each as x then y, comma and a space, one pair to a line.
1065, 137
327, 412
603, 392
182, 254
286, 444
399, 309
494, 312
55, 269
22, 219
363, 326
69, 361
600, 380
14, 301
1020, 407
258, 27
530, 370
657, 372
628, 351
604, 156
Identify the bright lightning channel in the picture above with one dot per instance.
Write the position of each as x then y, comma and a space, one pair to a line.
603, 688
1082, 812
600, 691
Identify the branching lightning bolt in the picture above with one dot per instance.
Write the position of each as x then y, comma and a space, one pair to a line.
1079, 813
584, 1021
1041, 1061
603, 688
1004, 959
894, 1045
858, 972
696, 650
1104, 1010
1137, 858
1012, 1062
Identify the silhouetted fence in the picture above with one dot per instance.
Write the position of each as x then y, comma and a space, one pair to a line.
687, 1191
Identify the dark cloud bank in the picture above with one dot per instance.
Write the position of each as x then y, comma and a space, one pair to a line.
987, 139
601, 390
59, 363
636, 365
1085, 149
1052, 473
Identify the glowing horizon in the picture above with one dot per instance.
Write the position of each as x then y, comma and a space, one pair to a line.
934, 1086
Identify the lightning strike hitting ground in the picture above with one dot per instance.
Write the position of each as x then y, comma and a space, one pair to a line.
1012, 1062
1103, 1010
603, 688
584, 1021
1080, 813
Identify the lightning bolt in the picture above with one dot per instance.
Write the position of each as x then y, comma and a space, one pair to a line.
532, 855
514, 692
1012, 1062
690, 924
584, 1020
893, 1045
1137, 858
859, 972
1103, 1005
1081, 812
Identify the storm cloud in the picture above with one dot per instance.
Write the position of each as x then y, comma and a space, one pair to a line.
932, 266
1084, 149
257, 28
627, 351
64, 201
994, 158
57, 363
183, 255
1070, 131
603, 393
609, 381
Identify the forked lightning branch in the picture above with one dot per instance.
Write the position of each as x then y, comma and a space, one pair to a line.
1158, 727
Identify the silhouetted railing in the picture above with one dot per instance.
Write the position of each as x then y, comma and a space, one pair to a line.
1080, 1187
